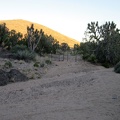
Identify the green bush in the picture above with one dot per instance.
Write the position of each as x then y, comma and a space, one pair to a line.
25, 55
36, 64
48, 62
18, 48
8, 64
92, 58
117, 68
21, 52
85, 56
106, 65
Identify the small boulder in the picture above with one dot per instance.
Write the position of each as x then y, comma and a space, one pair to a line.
4, 78
12, 76
16, 76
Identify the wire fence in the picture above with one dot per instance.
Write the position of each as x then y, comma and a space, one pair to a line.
64, 57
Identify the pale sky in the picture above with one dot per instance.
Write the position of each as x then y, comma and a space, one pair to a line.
69, 17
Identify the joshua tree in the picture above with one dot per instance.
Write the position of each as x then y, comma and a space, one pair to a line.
33, 37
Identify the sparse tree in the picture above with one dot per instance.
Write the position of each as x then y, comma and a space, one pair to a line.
64, 48
102, 42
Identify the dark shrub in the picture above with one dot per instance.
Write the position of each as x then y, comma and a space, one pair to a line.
21, 52
36, 64
25, 55
8, 64
18, 48
117, 68
48, 62
92, 58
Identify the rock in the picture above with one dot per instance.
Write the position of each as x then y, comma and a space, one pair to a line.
16, 76
3, 78
12, 76
58, 75
114, 96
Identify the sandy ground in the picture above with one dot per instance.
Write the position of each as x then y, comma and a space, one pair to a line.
68, 91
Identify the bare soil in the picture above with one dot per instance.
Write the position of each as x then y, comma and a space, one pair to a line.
67, 90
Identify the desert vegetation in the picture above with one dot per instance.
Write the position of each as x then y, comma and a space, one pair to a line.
101, 44
26, 46
28, 50
64, 88
20, 26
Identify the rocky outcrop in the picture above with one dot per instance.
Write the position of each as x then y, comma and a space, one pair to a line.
4, 79
16, 76
12, 76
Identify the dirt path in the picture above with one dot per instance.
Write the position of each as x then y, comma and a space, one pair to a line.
68, 91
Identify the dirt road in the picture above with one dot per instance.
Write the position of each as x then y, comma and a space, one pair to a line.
68, 91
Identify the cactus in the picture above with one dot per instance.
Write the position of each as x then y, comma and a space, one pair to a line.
34, 37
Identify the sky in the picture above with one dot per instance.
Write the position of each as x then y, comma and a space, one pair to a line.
69, 17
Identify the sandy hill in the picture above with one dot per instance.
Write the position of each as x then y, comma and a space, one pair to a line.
21, 26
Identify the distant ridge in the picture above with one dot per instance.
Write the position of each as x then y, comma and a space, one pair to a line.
21, 26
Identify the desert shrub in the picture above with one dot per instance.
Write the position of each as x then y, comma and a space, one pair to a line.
106, 65
117, 68
8, 64
42, 65
85, 56
92, 58
36, 64
48, 62
32, 76
18, 48
25, 55
21, 52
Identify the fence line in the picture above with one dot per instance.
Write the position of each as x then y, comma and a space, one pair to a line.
64, 57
